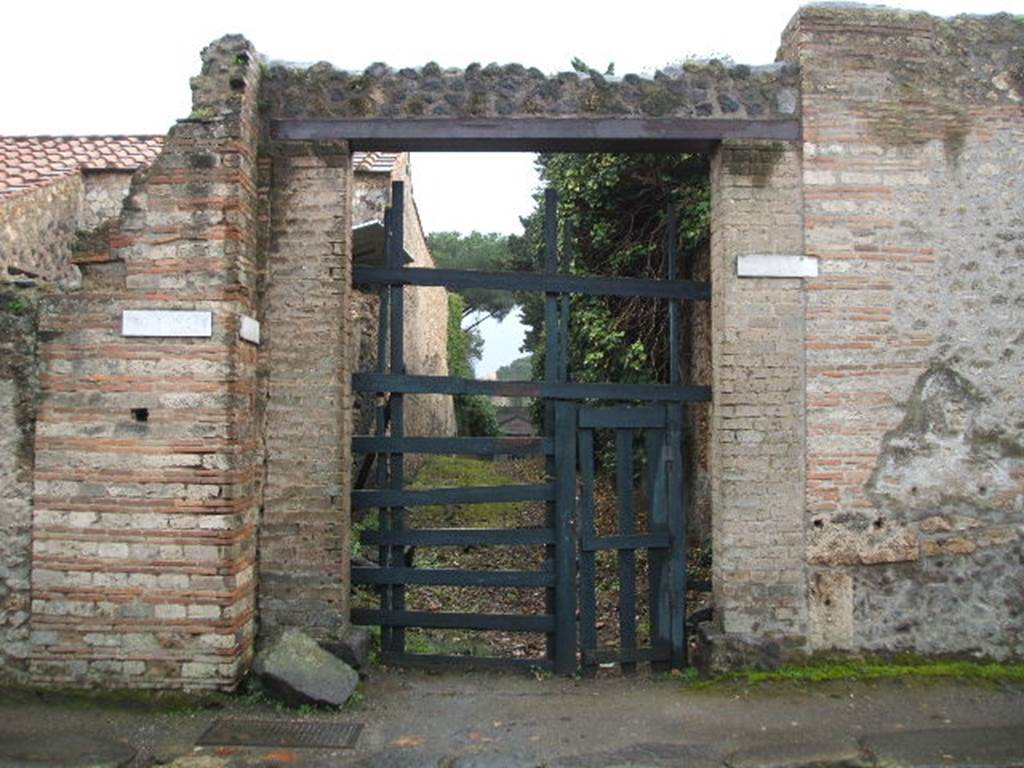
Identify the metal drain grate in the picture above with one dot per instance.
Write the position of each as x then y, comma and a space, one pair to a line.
252, 732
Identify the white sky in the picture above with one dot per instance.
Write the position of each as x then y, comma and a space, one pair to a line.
116, 66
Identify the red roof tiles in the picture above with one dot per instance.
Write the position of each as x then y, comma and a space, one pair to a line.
27, 162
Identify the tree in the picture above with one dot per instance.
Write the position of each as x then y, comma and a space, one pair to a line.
474, 414
452, 250
520, 369
616, 206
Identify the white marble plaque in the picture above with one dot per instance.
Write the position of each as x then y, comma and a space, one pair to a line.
166, 323
249, 329
776, 265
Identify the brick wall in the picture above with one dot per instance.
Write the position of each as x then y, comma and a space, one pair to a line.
144, 520
757, 430
304, 532
913, 178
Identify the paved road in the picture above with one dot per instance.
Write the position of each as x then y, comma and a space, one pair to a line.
493, 721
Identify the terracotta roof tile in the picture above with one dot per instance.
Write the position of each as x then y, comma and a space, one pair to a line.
27, 162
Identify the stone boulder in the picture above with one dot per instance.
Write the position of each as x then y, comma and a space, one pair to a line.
352, 647
295, 669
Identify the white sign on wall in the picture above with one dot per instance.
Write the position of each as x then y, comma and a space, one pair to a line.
776, 265
166, 323
249, 329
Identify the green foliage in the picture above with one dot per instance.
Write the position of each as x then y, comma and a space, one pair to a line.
452, 250
202, 113
579, 65
459, 359
474, 414
616, 206
520, 369
466, 471
15, 304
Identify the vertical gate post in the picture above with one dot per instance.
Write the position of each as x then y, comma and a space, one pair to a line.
565, 541
396, 515
550, 373
676, 503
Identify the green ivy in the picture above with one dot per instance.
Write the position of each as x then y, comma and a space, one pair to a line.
474, 414
616, 206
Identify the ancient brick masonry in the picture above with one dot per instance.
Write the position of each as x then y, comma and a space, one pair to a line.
757, 429
912, 157
305, 532
147, 455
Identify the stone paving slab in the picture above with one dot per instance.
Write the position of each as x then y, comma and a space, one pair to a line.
34, 745
1002, 747
835, 753
416, 720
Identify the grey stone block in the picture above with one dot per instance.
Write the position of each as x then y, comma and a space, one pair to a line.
352, 647
294, 668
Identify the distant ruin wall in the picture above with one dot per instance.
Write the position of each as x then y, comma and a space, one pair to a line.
425, 316
39, 227
913, 174
37, 230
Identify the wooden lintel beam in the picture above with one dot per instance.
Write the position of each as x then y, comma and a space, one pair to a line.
534, 134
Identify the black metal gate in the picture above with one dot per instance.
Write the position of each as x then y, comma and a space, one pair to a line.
652, 412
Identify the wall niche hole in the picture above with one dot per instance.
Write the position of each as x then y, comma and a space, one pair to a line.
819, 523
879, 523
140, 414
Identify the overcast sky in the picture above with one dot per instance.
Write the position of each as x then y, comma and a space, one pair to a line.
110, 66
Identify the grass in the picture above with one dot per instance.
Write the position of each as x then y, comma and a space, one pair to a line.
462, 471
868, 669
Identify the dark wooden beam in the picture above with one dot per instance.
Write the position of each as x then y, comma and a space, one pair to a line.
543, 282
534, 134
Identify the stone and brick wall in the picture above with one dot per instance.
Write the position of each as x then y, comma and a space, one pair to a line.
47, 202
147, 455
38, 228
19, 392
866, 440
913, 176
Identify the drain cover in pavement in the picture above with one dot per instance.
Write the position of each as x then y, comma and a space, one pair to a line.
251, 732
